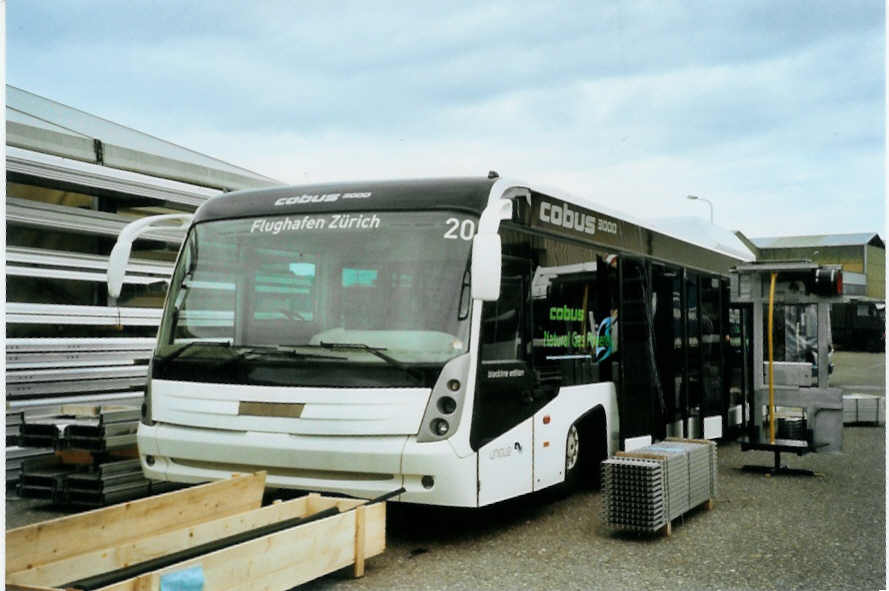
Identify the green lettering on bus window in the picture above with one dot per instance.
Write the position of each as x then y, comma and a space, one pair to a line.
565, 313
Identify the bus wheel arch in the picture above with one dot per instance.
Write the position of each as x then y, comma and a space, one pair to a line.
585, 448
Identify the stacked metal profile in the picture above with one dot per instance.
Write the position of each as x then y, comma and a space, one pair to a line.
634, 493
660, 483
88, 428
678, 487
110, 428
49, 477
14, 422
701, 468
108, 483
44, 478
16, 456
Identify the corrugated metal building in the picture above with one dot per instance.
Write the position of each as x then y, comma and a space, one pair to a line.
73, 181
863, 257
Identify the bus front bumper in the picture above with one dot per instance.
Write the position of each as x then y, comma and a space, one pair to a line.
359, 466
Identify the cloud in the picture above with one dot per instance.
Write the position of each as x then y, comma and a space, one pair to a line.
773, 110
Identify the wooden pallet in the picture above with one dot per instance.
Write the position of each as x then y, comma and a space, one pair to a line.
45, 556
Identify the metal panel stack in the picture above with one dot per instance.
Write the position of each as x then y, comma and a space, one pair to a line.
678, 486
633, 493
646, 489
702, 461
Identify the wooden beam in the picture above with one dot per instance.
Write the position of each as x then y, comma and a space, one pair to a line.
360, 533
41, 543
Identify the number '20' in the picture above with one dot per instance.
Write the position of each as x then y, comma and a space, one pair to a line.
464, 230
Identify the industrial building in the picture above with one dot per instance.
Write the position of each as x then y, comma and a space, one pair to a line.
863, 257
74, 180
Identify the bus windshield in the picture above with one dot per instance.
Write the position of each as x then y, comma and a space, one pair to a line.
384, 290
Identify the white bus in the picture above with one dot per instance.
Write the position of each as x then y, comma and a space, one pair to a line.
455, 337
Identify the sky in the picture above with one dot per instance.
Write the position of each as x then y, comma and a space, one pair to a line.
775, 111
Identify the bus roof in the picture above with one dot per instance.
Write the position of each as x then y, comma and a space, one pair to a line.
453, 194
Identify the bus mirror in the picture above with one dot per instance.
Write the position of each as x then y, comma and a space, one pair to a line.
486, 267
120, 254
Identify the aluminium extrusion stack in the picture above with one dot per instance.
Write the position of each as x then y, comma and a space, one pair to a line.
646, 489
701, 468
633, 493
678, 485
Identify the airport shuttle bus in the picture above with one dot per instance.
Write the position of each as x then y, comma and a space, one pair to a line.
470, 340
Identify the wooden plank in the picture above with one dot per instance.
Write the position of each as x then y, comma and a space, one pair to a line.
642, 455
112, 558
360, 533
34, 545
276, 562
703, 441
375, 528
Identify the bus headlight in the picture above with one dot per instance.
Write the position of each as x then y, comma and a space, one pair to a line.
440, 427
444, 408
447, 405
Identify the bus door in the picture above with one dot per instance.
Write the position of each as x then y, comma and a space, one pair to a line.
504, 403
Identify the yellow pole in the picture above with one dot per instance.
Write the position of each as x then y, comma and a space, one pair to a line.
772, 361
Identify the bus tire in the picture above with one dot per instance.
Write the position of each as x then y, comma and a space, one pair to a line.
573, 463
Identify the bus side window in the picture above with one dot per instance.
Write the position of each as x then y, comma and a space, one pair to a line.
502, 323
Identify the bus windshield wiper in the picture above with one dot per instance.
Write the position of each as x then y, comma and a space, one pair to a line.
376, 351
260, 350
178, 352
285, 350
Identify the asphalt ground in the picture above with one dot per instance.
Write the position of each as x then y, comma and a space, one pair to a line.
782, 533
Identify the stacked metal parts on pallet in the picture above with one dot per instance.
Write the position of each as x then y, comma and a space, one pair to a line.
104, 474
16, 457
662, 482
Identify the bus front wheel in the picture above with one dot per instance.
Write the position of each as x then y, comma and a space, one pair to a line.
572, 457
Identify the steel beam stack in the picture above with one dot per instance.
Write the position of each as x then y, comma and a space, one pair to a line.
16, 456
646, 489
108, 483
44, 478
14, 422
111, 428
89, 428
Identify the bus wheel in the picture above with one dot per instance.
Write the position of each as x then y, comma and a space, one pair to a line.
572, 457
